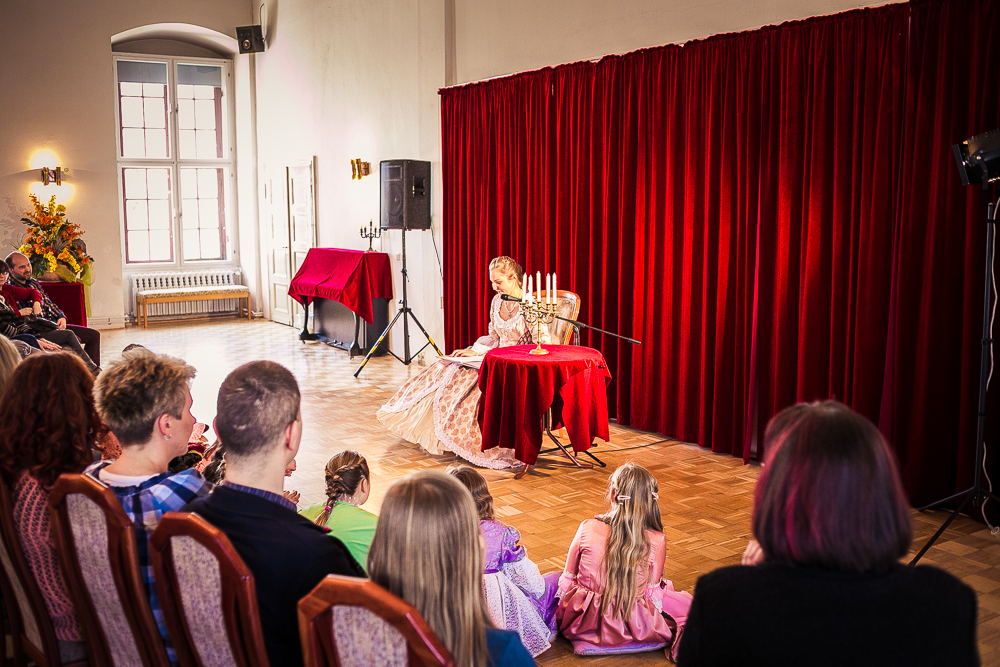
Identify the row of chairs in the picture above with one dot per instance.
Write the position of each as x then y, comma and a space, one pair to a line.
207, 596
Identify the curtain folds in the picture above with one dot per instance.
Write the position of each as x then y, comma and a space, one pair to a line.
775, 214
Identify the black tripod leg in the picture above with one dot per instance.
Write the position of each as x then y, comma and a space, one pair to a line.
943, 527
372, 351
599, 461
424, 332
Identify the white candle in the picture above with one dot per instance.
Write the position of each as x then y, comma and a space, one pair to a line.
554, 290
527, 289
538, 284
548, 288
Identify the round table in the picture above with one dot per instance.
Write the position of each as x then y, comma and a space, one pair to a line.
518, 388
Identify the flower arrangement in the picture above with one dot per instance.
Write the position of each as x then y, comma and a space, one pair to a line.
53, 243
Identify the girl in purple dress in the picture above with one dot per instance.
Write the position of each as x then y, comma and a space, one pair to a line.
518, 597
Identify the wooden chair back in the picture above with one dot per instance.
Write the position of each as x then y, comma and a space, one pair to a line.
348, 622
96, 545
568, 306
207, 594
32, 634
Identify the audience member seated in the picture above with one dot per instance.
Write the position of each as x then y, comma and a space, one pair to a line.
48, 426
428, 550
517, 595
259, 421
832, 523
612, 598
289, 494
347, 488
145, 401
23, 349
14, 325
20, 275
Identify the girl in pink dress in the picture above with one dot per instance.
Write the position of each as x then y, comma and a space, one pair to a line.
437, 407
612, 597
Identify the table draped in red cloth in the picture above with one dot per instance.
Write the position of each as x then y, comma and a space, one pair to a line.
352, 277
518, 387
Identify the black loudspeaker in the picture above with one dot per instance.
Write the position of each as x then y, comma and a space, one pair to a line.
406, 194
251, 39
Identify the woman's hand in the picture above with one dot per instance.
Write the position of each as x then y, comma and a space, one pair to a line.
464, 353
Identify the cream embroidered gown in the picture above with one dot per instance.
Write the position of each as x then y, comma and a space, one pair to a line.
437, 407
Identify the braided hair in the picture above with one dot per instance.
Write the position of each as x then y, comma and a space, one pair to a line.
344, 472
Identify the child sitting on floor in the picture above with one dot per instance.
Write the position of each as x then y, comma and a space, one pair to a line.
348, 485
611, 597
518, 597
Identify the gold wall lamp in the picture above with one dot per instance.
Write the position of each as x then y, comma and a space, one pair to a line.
359, 169
52, 175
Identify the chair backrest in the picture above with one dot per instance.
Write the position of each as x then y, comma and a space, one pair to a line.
348, 622
31, 627
568, 306
96, 545
207, 594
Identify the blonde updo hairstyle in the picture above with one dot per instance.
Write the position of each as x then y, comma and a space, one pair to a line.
344, 472
509, 267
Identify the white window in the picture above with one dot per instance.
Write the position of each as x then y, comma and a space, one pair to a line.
175, 159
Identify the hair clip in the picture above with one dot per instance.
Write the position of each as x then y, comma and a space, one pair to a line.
620, 498
327, 508
656, 496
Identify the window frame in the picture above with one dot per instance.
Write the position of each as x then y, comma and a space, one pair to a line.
174, 163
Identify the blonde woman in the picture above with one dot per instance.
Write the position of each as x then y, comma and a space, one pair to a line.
428, 551
10, 357
437, 407
348, 485
612, 599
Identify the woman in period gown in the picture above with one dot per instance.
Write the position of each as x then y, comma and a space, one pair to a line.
437, 407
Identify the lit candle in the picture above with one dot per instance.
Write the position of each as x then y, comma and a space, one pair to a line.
538, 284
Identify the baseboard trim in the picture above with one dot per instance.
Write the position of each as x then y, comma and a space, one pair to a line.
101, 323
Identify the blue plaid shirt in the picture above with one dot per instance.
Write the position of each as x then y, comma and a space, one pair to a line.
144, 504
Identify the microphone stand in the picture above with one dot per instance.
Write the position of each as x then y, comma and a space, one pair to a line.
578, 325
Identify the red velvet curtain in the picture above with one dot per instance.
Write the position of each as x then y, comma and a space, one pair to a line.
766, 211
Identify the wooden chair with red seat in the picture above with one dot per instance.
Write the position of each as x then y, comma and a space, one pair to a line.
207, 594
32, 634
96, 545
348, 622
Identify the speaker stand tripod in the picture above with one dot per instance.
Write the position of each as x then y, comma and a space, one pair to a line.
404, 312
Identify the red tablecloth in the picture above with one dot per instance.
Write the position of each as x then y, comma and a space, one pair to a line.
69, 298
517, 388
352, 277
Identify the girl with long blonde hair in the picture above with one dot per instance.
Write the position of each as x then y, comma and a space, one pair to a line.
348, 485
612, 596
428, 551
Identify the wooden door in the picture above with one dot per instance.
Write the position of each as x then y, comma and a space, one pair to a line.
301, 221
279, 259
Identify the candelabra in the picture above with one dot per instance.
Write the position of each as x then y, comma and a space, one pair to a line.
538, 314
372, 233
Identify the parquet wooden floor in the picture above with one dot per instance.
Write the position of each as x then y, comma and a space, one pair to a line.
705, 498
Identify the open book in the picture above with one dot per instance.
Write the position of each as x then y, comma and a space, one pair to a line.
471, 362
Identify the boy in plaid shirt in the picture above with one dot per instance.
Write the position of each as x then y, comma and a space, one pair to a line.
146, 402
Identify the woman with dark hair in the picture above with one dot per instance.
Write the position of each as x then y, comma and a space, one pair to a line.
832, 523
48, 426
437, 407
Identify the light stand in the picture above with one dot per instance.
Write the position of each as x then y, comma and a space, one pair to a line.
978, 160
404, 312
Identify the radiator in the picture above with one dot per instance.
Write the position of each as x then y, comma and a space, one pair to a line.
181, 279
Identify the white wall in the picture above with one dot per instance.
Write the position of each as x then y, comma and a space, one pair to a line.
58, 94
357, 79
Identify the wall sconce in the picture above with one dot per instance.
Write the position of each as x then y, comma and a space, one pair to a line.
52, 175
359, 169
